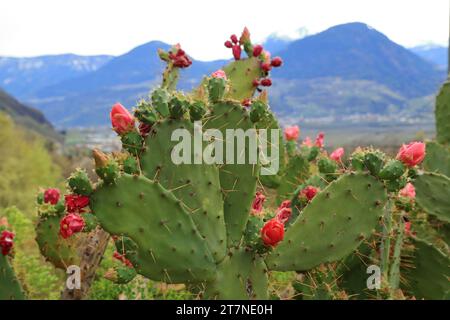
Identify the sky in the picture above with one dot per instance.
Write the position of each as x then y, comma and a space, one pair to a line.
87, 27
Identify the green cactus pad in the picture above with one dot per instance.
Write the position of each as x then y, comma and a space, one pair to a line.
170, 247
428, 278
238, 181
241, 276
241, 74
196, 185
10, 288
437, 158
297, 171
59, 251
333, 224
442, 113
433, 194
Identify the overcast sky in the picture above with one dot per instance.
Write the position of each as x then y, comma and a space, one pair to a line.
36, 27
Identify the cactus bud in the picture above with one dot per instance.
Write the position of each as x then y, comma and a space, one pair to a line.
326, 166
160, 101
132, 142
217, 85
373, 161
228, 44
394, 169
106, 168
197, 110
258, 110
79, 183
178, 107
308, 193
120, 275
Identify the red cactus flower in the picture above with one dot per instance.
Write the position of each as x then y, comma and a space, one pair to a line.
309, 192
411, 154
337, 154
237, 52
284, 214
276, 62
122, 259
285, 204
144, 129
408, 191
219, 74
234, 38
70, 224
291, 133
121, 119
6, 242
258, 202
257, 50
266, 82
272, 232
228, 44
408, 228
307, 142
76, 203
319, 140
246, 102
51, 196
266, 66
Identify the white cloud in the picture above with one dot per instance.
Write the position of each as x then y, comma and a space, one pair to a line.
30, 27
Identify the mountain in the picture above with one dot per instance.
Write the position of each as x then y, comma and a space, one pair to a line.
22, 77
433, 53
356, 51
349, 71
25, 116
85, 100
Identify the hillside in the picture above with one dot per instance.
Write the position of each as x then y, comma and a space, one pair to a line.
26, 117
433, 53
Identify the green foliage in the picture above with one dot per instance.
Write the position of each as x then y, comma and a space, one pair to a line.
25, 165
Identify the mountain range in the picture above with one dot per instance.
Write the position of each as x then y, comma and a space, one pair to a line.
435, 54
348, 71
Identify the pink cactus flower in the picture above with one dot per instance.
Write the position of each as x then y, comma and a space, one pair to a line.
272, 232
307, 142
121, 119
219, 74
337, 154
291, 133
309, 192
320, 140
411, 154
258, 202
408, 191
284, 211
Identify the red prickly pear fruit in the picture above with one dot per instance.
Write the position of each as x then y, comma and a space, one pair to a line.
309, 192
228, 44
272, 232
276, 62
257, 50
6, 242
411, 154
266, 82
234, 38
266, 67
70, 224
237, 52
255, 82
51, 196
